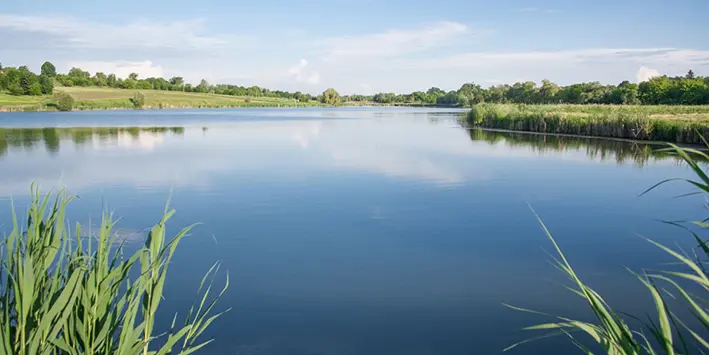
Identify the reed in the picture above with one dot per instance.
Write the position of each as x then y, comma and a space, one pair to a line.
63, 294
680, 124
666, 333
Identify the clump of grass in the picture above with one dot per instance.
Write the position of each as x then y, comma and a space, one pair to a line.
667, 333
663, 123
60, 294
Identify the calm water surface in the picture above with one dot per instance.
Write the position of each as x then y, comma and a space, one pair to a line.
360, 231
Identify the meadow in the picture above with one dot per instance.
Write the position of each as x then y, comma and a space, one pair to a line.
94, 98
678, 124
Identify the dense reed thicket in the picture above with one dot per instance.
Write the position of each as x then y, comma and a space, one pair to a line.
679, 124
64, 294
663, 332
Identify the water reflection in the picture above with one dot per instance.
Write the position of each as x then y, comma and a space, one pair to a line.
622, 152
51, 137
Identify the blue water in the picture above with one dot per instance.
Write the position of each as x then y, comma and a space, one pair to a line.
362, 231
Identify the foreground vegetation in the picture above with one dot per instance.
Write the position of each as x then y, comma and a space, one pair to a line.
64, 294
663, 333
679, 124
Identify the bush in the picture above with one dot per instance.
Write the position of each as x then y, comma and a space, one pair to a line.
35, 90
138, 100
15, 89
64, 101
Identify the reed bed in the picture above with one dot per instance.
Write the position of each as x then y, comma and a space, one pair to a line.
677, 124
662, 333
64, 294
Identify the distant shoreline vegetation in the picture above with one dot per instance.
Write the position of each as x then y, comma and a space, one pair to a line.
23, 90
678, 124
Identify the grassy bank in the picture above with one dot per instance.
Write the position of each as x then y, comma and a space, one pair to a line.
92, 98
678, 124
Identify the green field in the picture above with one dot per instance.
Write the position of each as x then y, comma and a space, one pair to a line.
92, 98
679, 124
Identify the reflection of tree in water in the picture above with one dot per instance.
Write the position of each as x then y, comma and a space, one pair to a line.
31, 138
622, 152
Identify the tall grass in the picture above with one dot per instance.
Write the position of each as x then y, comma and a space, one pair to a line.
61, 294
666, 333
657, 123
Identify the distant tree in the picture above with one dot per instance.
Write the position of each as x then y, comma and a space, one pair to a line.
35, 89
111, 80
690, 74
78, 73
15, 89
177, 82
548, 92
49, 69
64, 101
47, 84
99, 79
203, 86
330, 97
133, 76
138, 100
128, 84
254, 91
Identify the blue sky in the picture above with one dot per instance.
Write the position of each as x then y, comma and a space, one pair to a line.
362, 46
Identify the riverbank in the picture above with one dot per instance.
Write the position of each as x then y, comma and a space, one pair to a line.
677, 124
91, 98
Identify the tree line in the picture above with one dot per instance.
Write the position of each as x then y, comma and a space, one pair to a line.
663, 90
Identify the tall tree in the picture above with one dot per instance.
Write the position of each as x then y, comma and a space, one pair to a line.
330, 97
49, 69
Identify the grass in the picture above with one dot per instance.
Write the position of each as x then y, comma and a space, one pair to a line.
92, 98
64, 294
665, 332
678, 124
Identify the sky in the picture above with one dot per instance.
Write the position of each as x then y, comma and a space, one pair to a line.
361, 46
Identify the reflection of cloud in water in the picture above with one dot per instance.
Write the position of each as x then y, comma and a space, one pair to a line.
122, 235
409, 149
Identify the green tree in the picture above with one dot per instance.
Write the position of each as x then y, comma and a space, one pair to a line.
138, 100
35, 89
49, 69
47, 84
548, 92
64, 101
99, 79
330, 97
177, 82
133, 76
15, 89
112, 81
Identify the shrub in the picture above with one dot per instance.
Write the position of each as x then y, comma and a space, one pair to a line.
15, 89
138, 100
64, 101
35, 89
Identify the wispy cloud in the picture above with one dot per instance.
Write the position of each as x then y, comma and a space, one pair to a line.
609, 55
394, 41
74, 33
303, 74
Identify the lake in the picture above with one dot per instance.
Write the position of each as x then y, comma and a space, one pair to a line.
361, 231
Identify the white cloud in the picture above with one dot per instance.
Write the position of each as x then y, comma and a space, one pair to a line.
645, 74
74, 33
393, 42
635, 55
122, 69
302, 74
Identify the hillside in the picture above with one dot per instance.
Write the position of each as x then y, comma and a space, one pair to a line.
88, 98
